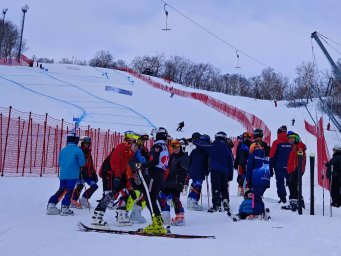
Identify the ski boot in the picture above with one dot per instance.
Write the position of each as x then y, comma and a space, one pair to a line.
75, 204
97, 220
136, 215
84, 202
195, 206
52, 209
266, 214
226, 205
66, 211
156, 227
215, 209
179, 220
292, 206
123, 218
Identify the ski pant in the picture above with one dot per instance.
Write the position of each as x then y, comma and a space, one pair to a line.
257, 202
219, 183
154, 182
281, 181
293, 185
171, 194
335, 188
241, 176
65, 191
87, 193
195, 189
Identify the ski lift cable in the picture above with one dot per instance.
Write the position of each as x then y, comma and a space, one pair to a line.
328, 38
216, 36
331, 46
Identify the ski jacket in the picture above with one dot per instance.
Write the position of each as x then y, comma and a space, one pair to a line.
279, 152
159, 156
256, 160
242, 154
293, 157
198, 164
220, 156
88, 170
177, 173
70, 160
246, 206
119, 159
336, 163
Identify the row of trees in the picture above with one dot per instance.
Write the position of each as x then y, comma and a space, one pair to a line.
9, 40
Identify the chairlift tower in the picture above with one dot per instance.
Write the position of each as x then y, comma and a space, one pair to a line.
337, 73
166, 12
24, 10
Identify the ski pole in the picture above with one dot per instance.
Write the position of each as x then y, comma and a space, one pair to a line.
330, 189
322, 191
147, 191
208, 192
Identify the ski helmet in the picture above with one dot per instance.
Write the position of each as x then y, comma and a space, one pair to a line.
175, 144
247, 135
283, 128
205, 138
295, 136
72, 138
161, 134
85, 139
196, 136
221, 136
258, 133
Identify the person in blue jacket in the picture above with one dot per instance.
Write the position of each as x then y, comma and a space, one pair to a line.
258, 177
71, 159
245, 208
198, 170
279, 155
221, 168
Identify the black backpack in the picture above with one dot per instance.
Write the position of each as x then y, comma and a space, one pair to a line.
106, 167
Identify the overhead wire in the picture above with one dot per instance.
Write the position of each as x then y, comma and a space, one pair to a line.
216, 36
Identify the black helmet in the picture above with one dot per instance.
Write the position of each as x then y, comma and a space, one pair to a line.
205, 138
85, 139
196, 136
221, 136
258, 133
283, 128
72, 138
161, 134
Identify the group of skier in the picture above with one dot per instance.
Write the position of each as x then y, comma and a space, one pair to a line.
134, 177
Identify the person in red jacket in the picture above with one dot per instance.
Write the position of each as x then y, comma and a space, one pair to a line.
114, 181
292, 167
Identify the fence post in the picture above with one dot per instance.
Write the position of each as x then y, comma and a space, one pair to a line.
36, 147
47, 147
43, 153
28, 132
6, 140
2, 174
31, 146
18, 144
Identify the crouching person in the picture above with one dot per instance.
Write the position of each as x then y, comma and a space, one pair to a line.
71, 159
258, 180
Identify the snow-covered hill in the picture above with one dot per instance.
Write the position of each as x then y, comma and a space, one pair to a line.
65, 91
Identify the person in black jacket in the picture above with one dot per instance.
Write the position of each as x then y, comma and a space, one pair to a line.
241, 159
198, 170
334, 176
174, 184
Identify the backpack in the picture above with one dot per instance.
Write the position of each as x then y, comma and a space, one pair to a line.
106, 167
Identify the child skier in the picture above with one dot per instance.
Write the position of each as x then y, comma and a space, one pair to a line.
88, 175
173, 185
71, 159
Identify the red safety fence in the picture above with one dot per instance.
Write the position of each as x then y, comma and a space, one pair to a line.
322, 151
24, 61
249, 121
30, 143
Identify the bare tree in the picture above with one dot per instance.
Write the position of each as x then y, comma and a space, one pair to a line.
103, 59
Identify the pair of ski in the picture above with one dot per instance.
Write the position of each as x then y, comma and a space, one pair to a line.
139, 232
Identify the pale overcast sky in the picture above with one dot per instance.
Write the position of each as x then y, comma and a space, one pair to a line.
275, 32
